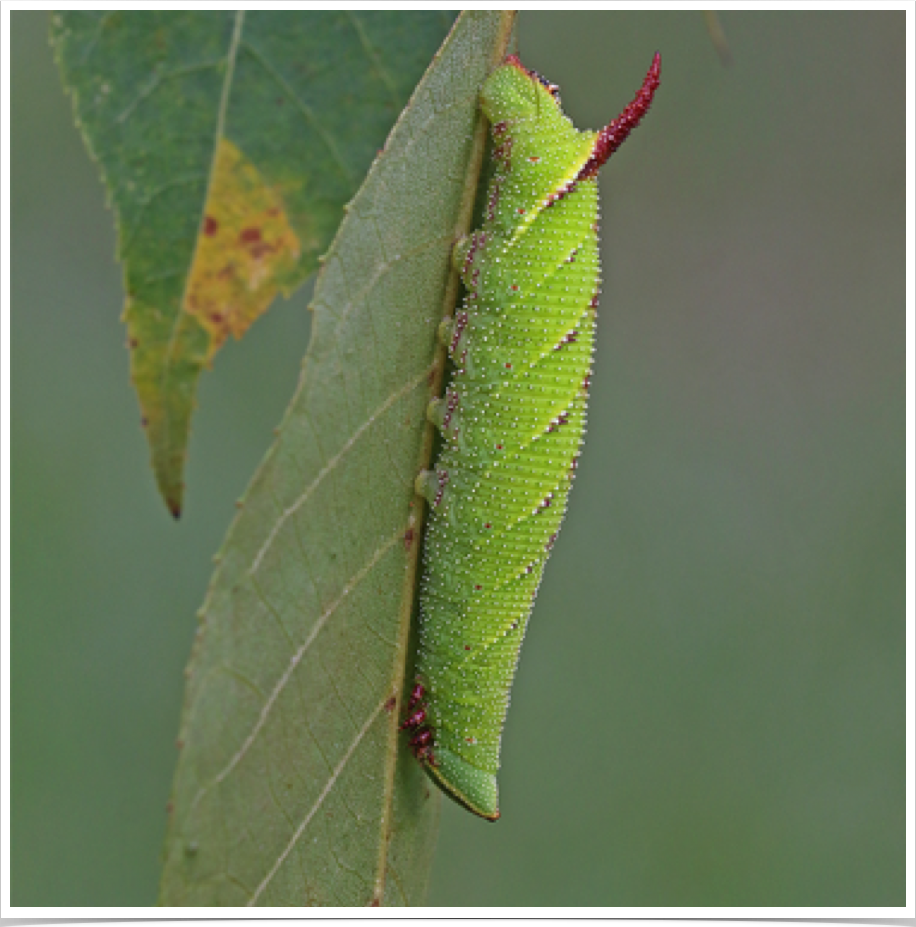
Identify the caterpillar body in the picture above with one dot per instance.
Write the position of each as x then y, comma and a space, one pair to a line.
512, 420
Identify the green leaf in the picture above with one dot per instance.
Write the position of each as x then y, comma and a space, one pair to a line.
293, 785
228, 142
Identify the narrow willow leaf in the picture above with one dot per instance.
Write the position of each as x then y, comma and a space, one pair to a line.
228, 142
293, 787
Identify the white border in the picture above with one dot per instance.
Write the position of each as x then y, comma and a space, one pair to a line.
716, 915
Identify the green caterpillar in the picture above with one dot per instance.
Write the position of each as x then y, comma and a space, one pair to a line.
512, 420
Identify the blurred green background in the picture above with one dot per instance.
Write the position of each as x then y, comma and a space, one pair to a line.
710, 708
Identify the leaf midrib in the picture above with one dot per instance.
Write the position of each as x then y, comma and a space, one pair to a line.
225, 91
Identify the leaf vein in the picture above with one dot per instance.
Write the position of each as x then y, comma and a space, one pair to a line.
303, 108
137, 222
408, 387
220, 126
318, 802
373, 55
272, 611
158, 78
297, 658
100, 25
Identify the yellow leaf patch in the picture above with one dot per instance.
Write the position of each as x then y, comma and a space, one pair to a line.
245, 249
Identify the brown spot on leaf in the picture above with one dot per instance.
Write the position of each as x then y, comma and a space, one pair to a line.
210, 225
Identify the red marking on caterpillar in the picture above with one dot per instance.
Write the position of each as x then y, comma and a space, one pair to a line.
210, 225
615, 133
443, 481
552, 89
461, 321
414, 721
416, 695
503, 151
422, 738
452, 401
557, 195
478, 239
561, 419
569, 338
493, 201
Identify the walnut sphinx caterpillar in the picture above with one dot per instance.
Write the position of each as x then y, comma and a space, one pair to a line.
512, 420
